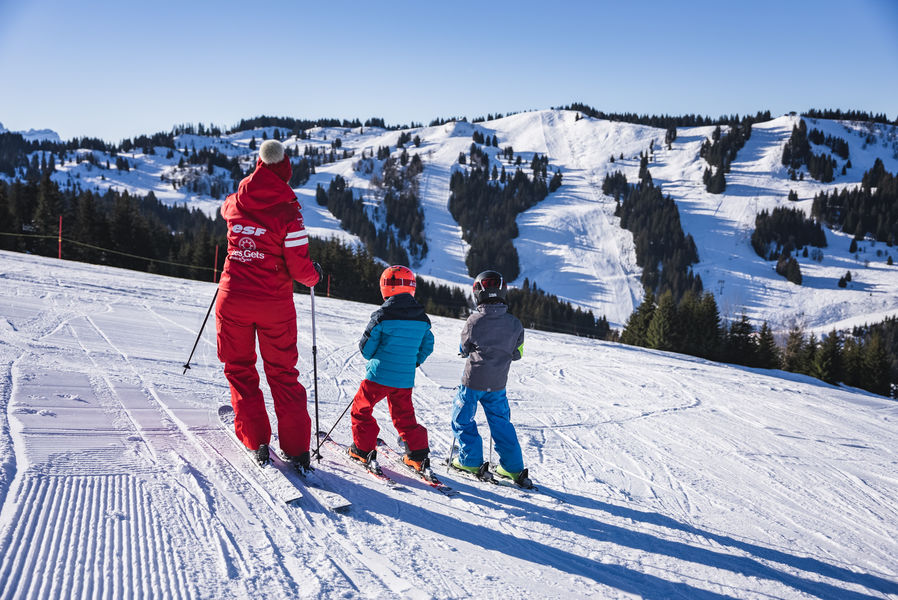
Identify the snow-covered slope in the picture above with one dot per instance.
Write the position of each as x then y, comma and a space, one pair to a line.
681, 478
571, 244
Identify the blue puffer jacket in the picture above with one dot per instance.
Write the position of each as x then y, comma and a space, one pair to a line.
396, 341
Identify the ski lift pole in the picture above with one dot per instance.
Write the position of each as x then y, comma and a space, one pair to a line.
203, 326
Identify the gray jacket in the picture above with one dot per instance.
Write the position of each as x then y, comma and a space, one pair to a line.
491, 339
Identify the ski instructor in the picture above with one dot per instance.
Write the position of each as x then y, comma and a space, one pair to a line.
268, 248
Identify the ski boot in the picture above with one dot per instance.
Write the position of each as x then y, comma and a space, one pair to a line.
482, 472
416, 459
368, 459
419, 460
261, 455
302, 463
520, 479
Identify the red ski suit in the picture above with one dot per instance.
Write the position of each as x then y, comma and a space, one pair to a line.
267, 249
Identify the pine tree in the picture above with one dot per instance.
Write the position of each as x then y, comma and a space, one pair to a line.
660, 332
828, 360
6, 220
768, 352
709, 327
794, 353
47, 211
852, 362
876, 366
741, 345
809, 355
637, 324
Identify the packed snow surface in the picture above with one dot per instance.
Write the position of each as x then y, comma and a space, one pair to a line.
680, 478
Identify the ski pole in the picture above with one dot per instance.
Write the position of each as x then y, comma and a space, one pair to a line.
491, 449
332, 429
203, 326
451, 451
452, 447
315, 371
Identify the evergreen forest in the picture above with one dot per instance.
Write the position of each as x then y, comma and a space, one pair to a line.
866, 358
486, 205
868, 210
663, 251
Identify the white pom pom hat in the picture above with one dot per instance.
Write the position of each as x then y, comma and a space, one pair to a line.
271, 152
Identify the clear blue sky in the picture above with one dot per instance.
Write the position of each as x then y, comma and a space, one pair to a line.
118, 69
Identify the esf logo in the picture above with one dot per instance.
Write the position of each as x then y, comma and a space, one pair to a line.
248, 229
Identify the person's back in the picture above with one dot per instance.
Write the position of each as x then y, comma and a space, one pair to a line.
267, 240
490, 340
396, 340
267, 250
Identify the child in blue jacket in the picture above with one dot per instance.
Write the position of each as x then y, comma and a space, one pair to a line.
396, 341
490, 340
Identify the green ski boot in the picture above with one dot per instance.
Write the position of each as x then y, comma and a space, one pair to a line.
482, 472
520, 478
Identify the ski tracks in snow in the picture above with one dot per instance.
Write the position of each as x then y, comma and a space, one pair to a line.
132, 530
681, 478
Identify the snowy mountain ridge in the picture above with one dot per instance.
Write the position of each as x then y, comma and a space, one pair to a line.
571, 243
35, 135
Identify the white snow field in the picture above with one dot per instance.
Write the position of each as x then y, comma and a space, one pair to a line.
571, 244
681, 478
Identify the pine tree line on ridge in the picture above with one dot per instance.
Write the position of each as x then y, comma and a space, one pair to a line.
848, 115
666, 121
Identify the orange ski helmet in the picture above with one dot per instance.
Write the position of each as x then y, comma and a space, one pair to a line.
397, 280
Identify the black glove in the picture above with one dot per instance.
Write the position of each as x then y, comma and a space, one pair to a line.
318, 270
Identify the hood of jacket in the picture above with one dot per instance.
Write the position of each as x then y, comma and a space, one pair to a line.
402, 306
500, 308
265, 187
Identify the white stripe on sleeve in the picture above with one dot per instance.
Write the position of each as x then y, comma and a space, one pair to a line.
296, 234
292, 243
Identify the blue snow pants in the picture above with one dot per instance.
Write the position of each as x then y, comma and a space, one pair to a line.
498, 417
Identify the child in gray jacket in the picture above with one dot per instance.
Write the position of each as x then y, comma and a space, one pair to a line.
490, 340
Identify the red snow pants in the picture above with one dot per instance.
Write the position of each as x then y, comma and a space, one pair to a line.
399, 401
238, 320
